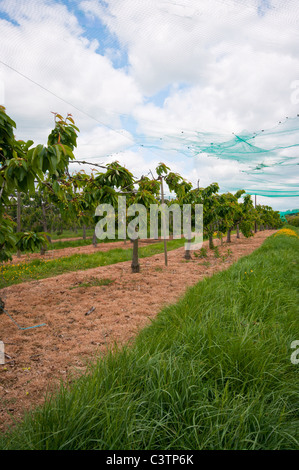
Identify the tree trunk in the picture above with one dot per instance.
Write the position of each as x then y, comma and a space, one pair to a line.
84, 232
2, 305
211, 242
94, 239
228, 238
187, 255
238, 231
45, 228
135, 261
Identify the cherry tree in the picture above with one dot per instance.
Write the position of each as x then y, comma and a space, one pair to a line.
22, 167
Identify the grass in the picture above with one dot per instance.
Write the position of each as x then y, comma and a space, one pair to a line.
72, 234
89, 233
58, 245
41, 269
212, 371
95, 282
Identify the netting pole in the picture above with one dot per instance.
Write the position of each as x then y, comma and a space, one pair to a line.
94, 239
18, 217
164, 224
255, 224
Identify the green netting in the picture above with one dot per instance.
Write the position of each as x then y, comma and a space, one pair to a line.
269, 157
286, 213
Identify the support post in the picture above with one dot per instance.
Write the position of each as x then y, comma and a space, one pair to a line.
18, 218
164, 224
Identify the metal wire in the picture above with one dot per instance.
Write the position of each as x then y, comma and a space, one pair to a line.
20, 327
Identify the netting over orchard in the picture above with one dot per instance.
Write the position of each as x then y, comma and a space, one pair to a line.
267, 156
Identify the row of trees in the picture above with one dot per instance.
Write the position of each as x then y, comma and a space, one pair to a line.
293, 219
52, 196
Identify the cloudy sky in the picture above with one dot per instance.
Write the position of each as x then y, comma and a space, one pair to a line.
147, 80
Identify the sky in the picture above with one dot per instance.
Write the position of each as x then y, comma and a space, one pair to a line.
150, 81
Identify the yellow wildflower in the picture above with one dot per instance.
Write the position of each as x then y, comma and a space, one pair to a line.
288, 232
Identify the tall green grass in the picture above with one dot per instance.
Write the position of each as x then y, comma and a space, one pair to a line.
211, 372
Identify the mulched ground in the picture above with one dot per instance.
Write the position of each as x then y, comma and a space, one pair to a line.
38, 359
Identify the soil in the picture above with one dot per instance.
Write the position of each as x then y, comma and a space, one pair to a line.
38, 359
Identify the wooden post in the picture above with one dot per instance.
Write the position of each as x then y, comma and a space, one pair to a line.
164, 224
94, 239
255, 224
135, 260
45, 227
18, 218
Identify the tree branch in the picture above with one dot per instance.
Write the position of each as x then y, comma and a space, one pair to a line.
88, 163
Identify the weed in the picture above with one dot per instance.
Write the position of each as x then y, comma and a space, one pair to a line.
94, 282
216, 252
207, 264
202, 253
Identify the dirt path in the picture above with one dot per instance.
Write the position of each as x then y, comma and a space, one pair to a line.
39, 358
74, 250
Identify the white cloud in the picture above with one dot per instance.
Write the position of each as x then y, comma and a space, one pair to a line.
48, 47
222, 68
100, 142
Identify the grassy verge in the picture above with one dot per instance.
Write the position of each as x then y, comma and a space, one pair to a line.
213, 371
72, 234
40, 269
60, 244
